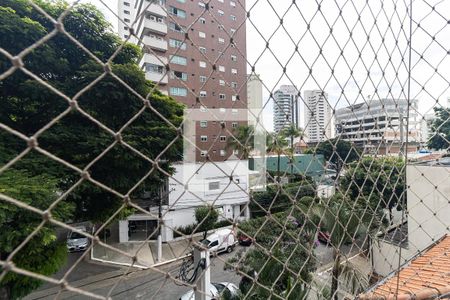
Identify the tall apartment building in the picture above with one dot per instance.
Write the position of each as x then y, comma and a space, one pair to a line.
376, 125
195, 52
318, 116
286, 108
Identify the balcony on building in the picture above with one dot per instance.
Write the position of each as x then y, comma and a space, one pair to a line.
155, 42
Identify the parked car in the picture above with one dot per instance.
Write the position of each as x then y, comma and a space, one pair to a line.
76, 241
216, 290
244, 240
220, 241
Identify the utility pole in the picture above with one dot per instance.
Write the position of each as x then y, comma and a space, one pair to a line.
201, 260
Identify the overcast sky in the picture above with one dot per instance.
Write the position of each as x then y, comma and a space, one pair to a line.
372, 61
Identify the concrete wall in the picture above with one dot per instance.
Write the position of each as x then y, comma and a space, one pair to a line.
385, 257
428, 204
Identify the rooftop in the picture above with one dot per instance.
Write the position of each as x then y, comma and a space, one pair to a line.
426, 276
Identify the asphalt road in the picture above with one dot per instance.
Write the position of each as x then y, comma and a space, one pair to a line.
139, 284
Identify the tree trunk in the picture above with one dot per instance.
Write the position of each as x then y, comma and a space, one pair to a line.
292, 153
278, 168
335, 274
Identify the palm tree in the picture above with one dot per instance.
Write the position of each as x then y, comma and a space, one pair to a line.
293, 131
342, 221
243, 140
277, 144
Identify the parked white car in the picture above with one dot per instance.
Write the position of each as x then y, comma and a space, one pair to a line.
215, 291
220, 241
76, 241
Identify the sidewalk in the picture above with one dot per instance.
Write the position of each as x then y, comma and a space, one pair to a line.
146, 252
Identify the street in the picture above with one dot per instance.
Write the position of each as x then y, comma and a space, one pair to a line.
139, 284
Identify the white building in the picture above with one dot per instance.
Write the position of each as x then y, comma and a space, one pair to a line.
191, 186
377, 125
427, 218
318, 116
286, 108
425, 126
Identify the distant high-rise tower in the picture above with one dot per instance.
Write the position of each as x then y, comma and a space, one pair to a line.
195, 52
318, 113
286, 109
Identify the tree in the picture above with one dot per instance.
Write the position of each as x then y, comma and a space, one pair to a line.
27, 106
343, 221
376, 183
338, 152
440, 128
292, 132
276, 143
206, 217
42, 254
281, 234
243, 140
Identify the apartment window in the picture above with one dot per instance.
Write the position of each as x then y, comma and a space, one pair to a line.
177, 91
233, 71
180, 75
234, 85
203, 153
127, 20
233, 4
127, 12
232, 31
222, 82
202, 78
220, 13
201, 34
215, 185
232, 18
177, 28
222, 96
220, 27
203, 108
221, 1
203, 94
203, 138
222, 110
234, 111
201, 4
179, 60
126, 28
154, 68
233, 58
234, 124
222, 152
221, 68
202, 64
126, 36
221, 41
202, 50
202, 20
233, 98
203, 124
126, 4
181, 1
177, 12
177, 44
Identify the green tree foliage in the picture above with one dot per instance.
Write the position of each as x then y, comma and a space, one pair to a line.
206, 217
290, 248
27, 106
440, 128
338, 152
376, 183
344, 221
276, 143
42, 254
243, 140
277, 199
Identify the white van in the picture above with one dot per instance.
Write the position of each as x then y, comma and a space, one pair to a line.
220, 241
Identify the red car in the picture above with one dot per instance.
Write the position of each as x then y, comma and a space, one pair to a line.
324, 237
244, 240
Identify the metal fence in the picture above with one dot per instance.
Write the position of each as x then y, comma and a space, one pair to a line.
85, 137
